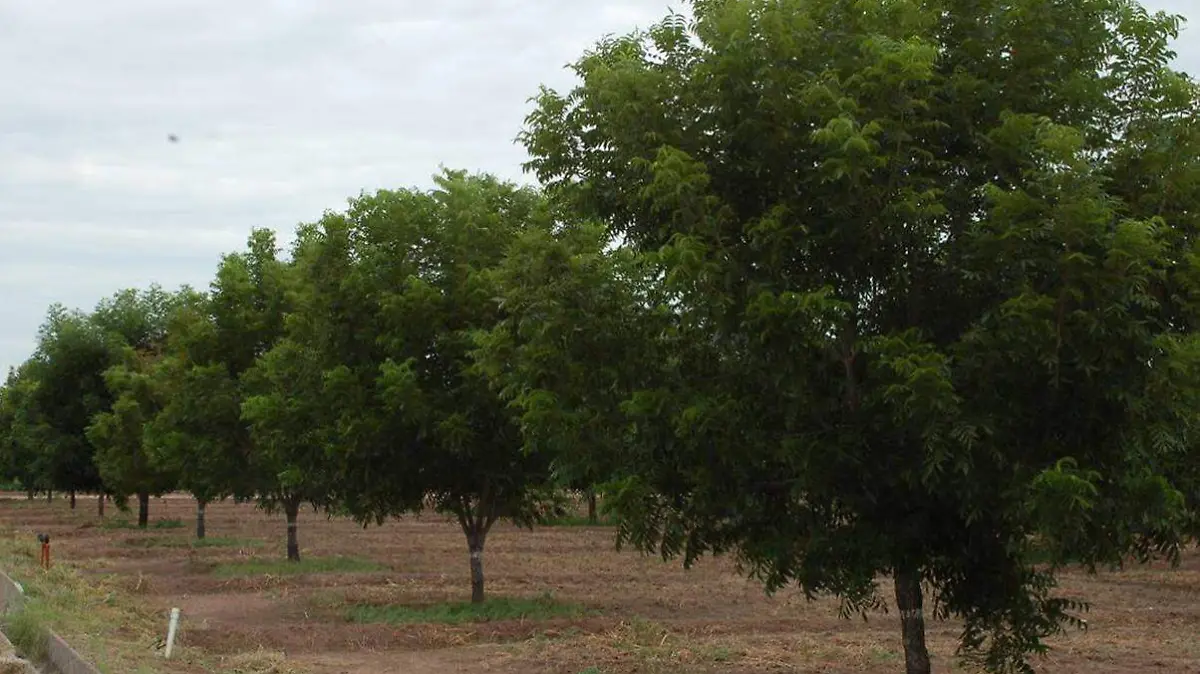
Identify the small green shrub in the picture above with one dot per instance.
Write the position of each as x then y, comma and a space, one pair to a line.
27, 633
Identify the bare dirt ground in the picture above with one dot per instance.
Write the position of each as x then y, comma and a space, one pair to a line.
646, 615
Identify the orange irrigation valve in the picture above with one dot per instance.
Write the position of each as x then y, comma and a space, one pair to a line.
44, 558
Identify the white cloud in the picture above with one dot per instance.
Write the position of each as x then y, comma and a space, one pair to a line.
284, 108
145, 240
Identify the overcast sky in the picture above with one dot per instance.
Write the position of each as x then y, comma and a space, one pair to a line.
283, 108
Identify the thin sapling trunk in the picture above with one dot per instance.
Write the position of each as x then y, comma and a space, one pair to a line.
475, 523
143, 510
291, 509
200, 506
72, 495
592, 518
912, 621
100, 505
475, 545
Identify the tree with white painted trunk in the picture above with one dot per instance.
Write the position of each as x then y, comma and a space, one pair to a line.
62, 386
199, 432
134, 323
285, 413
209, 465
212, 341
889, 288
20, 458
393, 290
283, 403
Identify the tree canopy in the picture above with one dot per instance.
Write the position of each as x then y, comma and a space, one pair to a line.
135, 325
917, 301
65, 387
213, 339
20, 455
393, 290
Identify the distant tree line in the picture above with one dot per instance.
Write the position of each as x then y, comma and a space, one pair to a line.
340, 377
840, 288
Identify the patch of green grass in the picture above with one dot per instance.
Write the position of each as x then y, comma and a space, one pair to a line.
282, 567
123, 523
117, 523
884, 655
500, 608
720, 654
176, 542
572, 520
155, 542
28, 633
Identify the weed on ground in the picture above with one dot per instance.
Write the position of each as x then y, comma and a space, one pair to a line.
123, 523
283, 567
176, 542
579, 521
499, 608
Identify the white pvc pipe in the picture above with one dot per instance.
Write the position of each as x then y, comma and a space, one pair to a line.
171, 627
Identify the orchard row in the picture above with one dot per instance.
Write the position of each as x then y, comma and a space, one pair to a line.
844, 288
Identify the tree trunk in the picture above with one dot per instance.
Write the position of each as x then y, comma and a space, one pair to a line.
29, 494
72, 499
200, 519
143, 510
49, 495
591, 501
475, 540
291, 508
100, 505
912, 621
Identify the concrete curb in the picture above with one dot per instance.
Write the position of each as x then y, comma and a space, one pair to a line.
61, 656
64, 658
